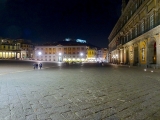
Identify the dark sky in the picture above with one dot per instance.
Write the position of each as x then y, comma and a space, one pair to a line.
54, 20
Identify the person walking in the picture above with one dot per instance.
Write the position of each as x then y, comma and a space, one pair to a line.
34, 65
40, 65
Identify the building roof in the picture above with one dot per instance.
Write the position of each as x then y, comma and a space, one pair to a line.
69, 43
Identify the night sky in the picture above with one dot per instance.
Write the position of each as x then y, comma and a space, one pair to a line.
54, 20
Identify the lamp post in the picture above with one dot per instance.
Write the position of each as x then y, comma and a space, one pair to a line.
39, 53
117, 58
81, 55
59, 57
114, 59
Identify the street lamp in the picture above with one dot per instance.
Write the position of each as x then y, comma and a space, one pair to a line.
59, 57
117, 58
81, 54
39, 53
60, 54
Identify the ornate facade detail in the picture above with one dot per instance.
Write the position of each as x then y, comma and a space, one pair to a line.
138, 33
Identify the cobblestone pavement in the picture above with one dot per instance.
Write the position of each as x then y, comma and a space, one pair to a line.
79, 92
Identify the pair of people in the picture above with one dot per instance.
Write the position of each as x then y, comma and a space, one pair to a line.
35, 65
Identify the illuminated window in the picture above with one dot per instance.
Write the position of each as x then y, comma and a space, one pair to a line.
136, 31
124, 39
142, 27
151, 21
131, 34
136, 6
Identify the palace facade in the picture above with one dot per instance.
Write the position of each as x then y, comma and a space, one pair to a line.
68, 51
16, 49
135, 38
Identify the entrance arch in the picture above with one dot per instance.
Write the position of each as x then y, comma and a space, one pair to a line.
136, 59
152, 51
18, 55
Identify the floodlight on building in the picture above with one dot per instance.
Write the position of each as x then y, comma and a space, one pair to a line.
60, 54
39, 53
81, 54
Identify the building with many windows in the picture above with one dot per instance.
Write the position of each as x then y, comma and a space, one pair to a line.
60, 52
15, 49
67, 51
91, 54
135, 39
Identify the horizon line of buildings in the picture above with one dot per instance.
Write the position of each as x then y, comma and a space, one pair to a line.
61, 51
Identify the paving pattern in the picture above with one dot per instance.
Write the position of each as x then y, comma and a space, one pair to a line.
79, 92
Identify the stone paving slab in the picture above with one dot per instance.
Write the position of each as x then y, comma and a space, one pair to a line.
75, 92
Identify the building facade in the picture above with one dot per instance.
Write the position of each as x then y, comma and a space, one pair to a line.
68, 51
60, 53
91, 54
135, 39
14, 49
102, 54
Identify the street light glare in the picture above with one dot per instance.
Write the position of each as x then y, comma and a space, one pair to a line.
39, 53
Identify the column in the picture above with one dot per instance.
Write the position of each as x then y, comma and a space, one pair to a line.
138, 45
147, 53
158, 50
121, 55
124, 55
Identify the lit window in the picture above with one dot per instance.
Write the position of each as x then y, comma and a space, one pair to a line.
151, 21
136, 5
136, 31
142, 27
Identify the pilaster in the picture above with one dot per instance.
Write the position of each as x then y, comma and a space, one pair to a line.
158, 49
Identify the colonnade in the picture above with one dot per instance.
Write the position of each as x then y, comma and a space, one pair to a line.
143, 52
9, 55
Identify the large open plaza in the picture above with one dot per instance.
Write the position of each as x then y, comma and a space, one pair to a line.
85, 91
